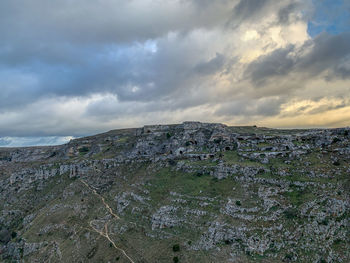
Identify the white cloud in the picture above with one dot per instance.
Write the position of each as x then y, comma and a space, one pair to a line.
33, 141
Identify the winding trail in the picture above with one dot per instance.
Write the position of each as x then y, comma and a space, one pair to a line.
105, 232
102, 199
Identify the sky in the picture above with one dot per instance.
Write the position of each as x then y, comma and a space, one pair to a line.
75, 68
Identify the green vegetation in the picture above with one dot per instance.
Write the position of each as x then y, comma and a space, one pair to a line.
170, 208
291, 213
298, 196
264, 144
232, 157
122, 140
167, 180
14, 234
176, 248
83, 150
202, 163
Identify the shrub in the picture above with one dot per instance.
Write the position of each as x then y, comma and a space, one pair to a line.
336, 163
288, 257
175, 259
218, 140
199, 174
168, 135
176, 247
337, 241
324, 222
238, 203
13, 234
172, 162
228, 241
335, 140
290, 213
84, 149
4, 236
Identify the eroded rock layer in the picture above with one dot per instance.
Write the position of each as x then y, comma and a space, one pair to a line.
193, 192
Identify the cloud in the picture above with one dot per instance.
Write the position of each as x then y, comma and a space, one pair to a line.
324, 53
76, 69
277, 63
287, 13
260, 107
212, 66
33, 141
106, 21
249, 8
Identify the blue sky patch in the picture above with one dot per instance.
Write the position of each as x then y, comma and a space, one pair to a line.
331, 16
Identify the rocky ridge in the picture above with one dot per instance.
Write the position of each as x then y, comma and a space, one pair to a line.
192, 192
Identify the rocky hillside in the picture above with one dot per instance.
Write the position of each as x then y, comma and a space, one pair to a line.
192, 192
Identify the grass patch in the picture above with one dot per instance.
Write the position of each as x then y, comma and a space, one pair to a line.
187, 183
232, 157
83, 150
297, 196
264, 144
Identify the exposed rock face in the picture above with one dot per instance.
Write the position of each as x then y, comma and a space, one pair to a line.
200, 191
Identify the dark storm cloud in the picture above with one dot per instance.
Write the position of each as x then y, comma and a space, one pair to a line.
212, 66
325, 52
284, 14
247, 9
342, 70
255, 10
276, 63
81, 48
133, 74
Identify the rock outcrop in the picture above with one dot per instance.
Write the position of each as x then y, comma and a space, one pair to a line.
202, 192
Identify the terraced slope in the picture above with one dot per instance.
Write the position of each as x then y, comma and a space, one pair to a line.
192, 192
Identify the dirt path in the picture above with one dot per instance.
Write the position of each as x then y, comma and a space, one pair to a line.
102, 199
105, 232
